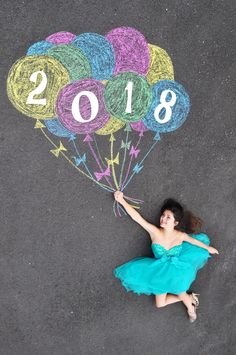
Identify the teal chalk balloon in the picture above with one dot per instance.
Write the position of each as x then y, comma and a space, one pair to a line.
73, 60
128, 96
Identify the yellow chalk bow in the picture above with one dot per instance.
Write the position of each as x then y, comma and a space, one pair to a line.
57, 151
113, 161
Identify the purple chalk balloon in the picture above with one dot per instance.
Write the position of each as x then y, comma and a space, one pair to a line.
139, 126
61, 37
80, 106
131, 50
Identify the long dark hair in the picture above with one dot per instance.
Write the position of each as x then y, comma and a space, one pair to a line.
188, 222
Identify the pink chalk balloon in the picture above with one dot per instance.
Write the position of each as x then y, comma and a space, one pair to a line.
139, 126
61, 37
131, 50
80, 106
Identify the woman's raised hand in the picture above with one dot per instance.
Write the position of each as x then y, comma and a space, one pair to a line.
119, 196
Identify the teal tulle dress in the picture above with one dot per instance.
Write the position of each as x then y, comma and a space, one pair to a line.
170, 271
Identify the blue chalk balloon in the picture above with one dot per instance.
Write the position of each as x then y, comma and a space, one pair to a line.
169, 108
55, 127
39, 48
99, 53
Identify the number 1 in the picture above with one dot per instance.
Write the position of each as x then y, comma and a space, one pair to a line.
129, 88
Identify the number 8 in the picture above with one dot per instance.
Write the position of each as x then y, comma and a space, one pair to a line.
165, 104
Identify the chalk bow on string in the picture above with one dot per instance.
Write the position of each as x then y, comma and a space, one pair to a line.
104, 173
134, 151
79, 160
125, 145
57, 151
113, 161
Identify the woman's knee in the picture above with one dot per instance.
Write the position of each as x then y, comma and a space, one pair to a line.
160, 300
160, 304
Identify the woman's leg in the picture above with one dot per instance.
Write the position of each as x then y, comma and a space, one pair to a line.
187, 300
165, 299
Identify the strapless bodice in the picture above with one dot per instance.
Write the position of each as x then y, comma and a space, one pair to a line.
159, 251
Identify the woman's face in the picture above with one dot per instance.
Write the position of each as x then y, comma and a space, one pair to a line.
167, 220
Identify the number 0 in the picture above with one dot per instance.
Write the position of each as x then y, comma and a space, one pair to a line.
93, 102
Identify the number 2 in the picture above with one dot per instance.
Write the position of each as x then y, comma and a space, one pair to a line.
38, 90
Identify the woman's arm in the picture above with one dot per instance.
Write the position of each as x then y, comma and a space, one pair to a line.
194, 241
150, 228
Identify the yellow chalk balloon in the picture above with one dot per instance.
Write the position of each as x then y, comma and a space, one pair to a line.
33, 84
113, 125
160, 67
